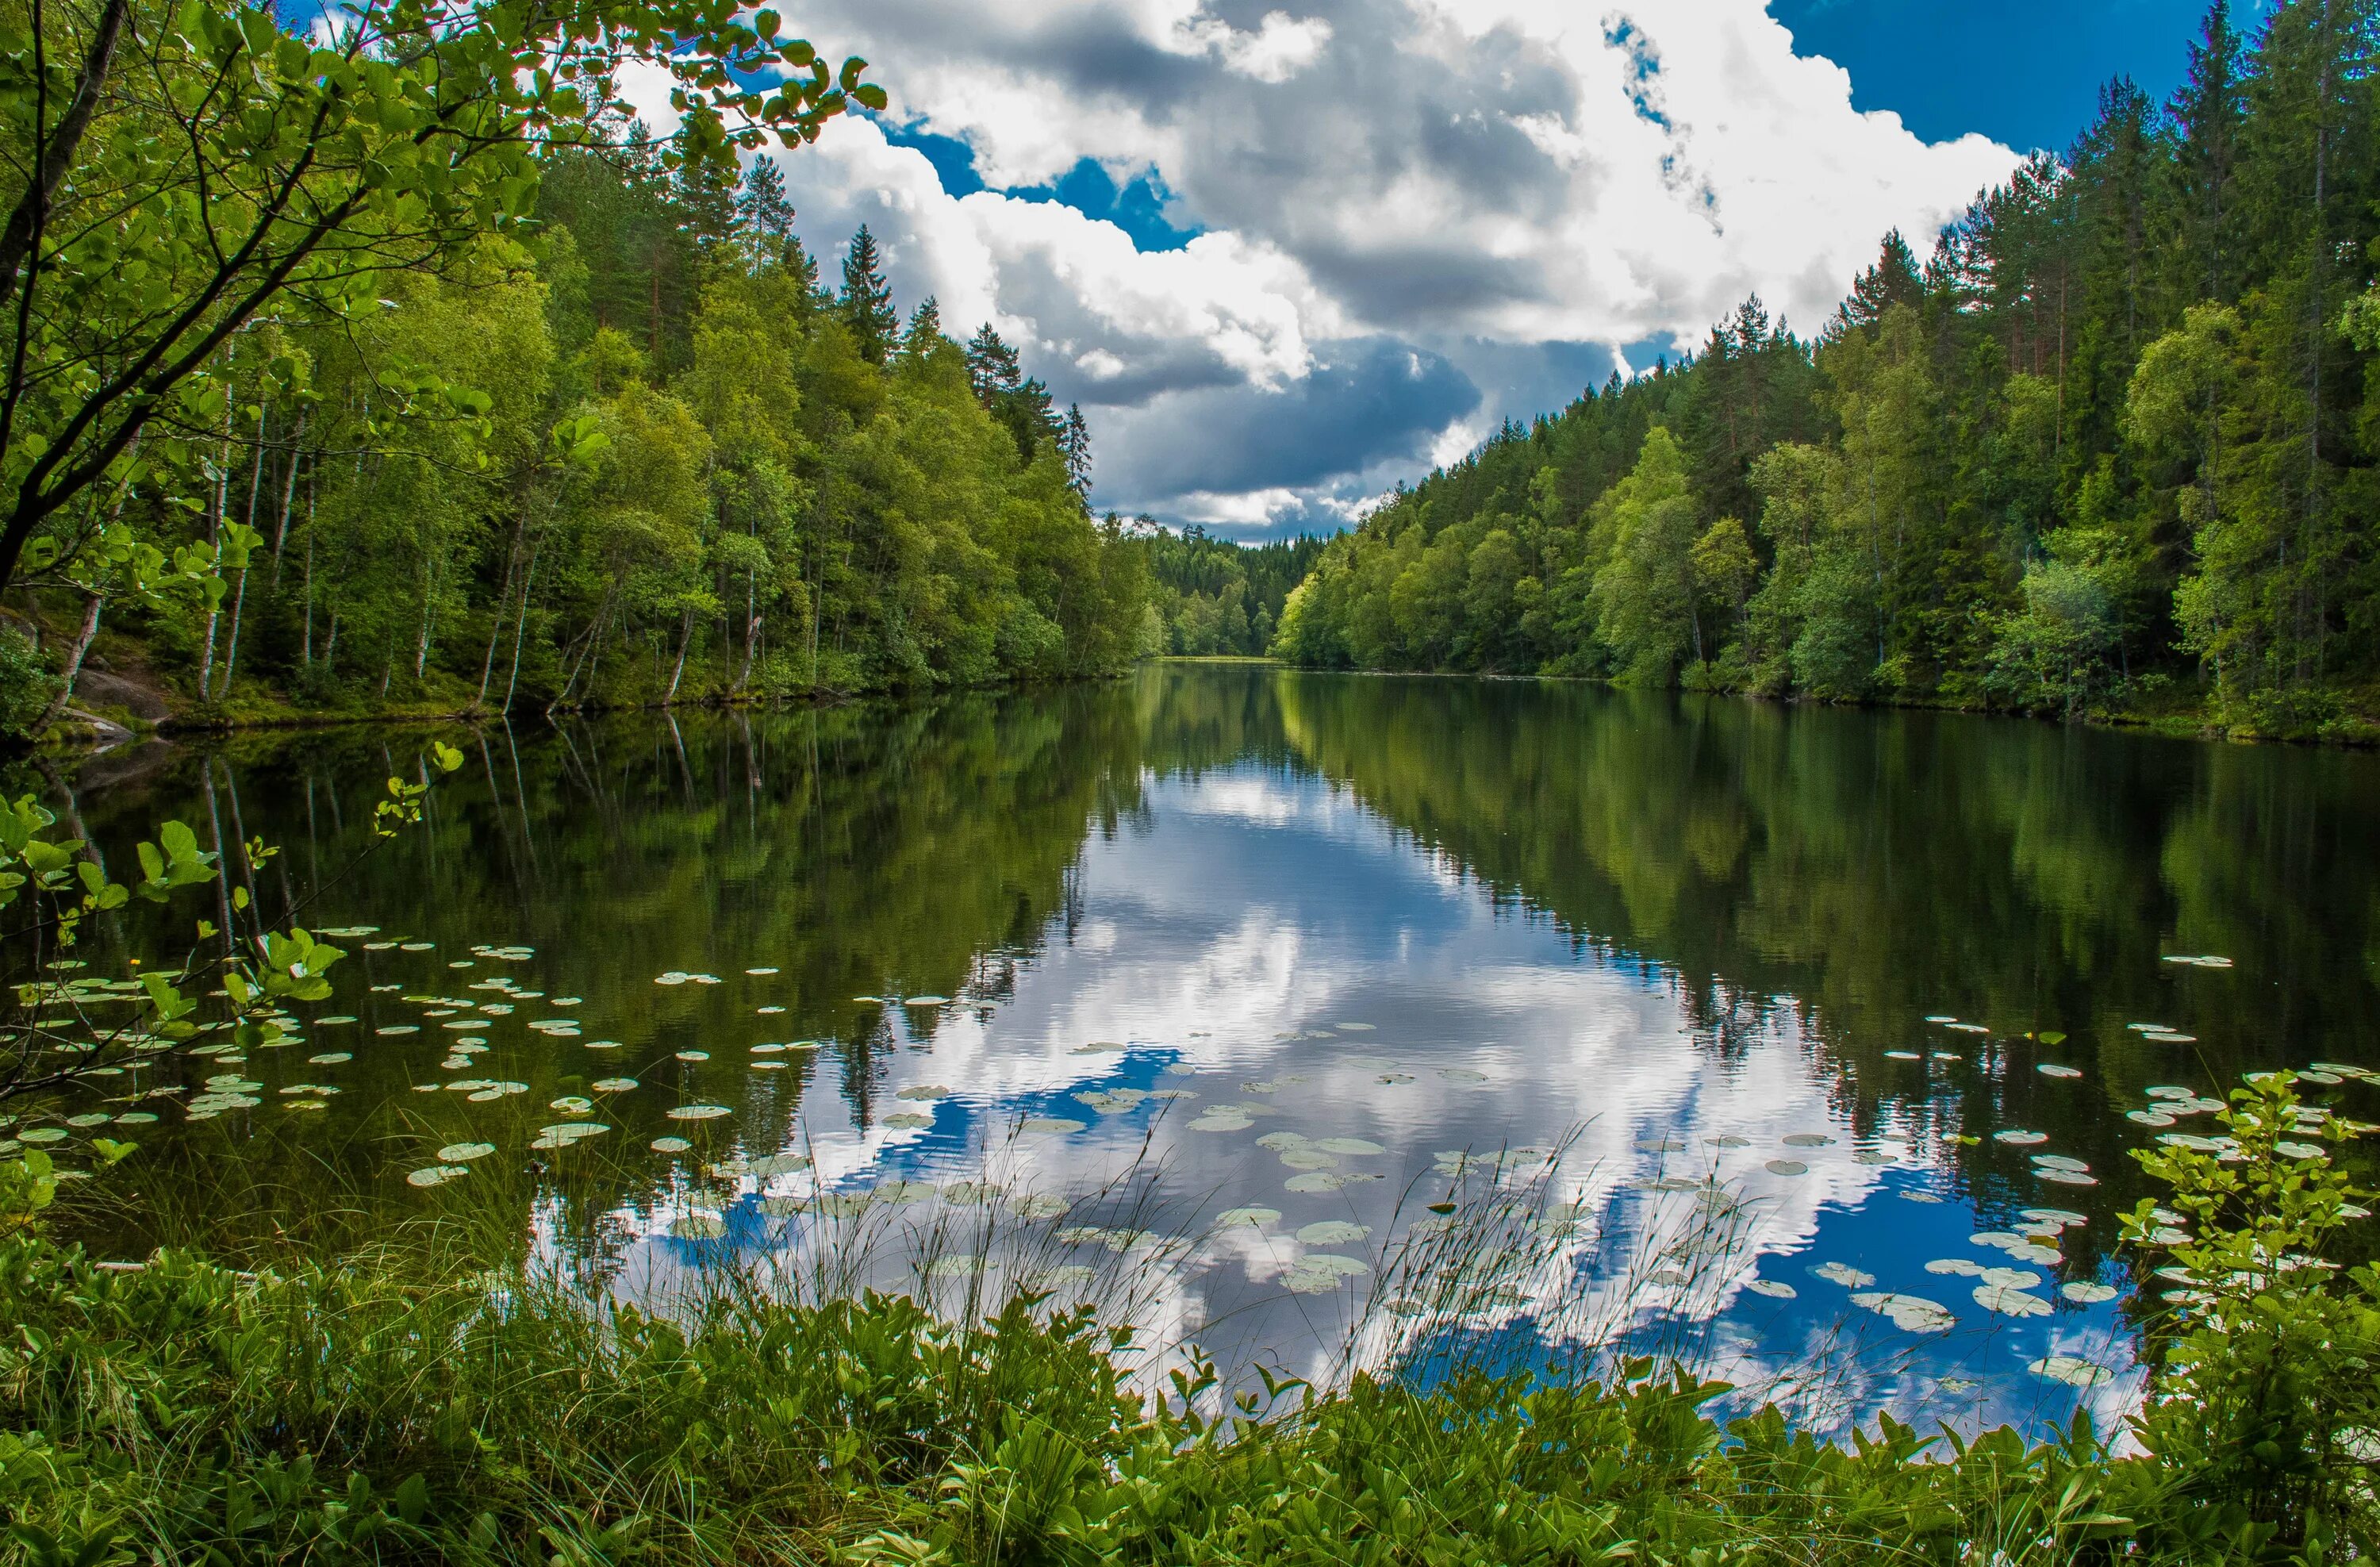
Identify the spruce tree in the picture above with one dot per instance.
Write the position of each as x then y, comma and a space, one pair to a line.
1893, 280
992, 366
1074, 446
764, 214
2204, 119
925, 328
866, 301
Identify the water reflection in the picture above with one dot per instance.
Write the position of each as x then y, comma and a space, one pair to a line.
1290, 948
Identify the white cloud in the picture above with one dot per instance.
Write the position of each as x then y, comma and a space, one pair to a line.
1473, 181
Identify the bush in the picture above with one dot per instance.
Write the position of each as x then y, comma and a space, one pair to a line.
26, 685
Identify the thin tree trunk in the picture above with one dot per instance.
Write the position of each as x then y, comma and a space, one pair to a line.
21, 238
231, 646
520, 625
751, 628
306, 655
496, 622
288, 495
685, 638
429, 602
214, 537
92, 600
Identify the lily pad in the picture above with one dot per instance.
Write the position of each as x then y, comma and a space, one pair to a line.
1844, 1274
614, 1084
699, 1113
671, 1144
1258, 1217
435, 1175
698, 1226
1332, 1232
2009, 1301
1787, 1167
458, 1153
1772, 1287
2072, 1371
2087, 1295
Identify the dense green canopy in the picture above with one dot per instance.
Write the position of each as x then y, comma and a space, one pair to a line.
2116, 436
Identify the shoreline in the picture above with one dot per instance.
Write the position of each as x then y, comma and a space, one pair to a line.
2192, 725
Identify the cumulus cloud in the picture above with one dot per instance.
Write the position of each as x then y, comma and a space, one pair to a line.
1414, 217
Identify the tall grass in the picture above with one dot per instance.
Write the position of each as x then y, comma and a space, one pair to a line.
914, 1383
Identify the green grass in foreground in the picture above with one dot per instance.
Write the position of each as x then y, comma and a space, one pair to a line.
378, 1410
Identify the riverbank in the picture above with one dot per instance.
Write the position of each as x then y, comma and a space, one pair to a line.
2351, 719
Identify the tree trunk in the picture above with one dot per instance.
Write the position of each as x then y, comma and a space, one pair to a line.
685, 638
231, 646
214, 537
306, 654
520, 625
288, 495
20, 239
496, 622
92, 600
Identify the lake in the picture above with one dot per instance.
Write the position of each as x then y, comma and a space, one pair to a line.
1808, 1044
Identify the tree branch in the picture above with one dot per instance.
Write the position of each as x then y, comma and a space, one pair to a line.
24, 226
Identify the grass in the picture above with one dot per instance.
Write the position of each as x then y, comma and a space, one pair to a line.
184, 1411
407, 1402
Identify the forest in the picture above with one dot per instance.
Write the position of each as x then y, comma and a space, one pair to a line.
1209, 595
2110, 449
631, 450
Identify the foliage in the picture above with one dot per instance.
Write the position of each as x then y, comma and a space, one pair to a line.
183, 1409
187, 181
1211, 595
2266, 1421
26, 685
2117, 431
692, 474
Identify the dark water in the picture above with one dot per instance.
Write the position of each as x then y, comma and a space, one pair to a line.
1649, 939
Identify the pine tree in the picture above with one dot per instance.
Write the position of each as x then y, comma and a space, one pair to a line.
1893, 280
925, 328
1074, 446
764, 214
2204, 116
867, 300
993, 365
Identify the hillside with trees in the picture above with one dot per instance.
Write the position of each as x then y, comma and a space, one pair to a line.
2111, 447
631, 450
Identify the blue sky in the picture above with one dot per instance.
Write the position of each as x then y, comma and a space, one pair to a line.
2028, 71
1286, 253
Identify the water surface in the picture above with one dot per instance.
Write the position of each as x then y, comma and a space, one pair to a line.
1666, 963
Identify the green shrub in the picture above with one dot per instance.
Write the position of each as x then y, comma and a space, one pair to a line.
26, 685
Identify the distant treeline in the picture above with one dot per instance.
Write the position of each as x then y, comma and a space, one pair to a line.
1211, 595
2112, 445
